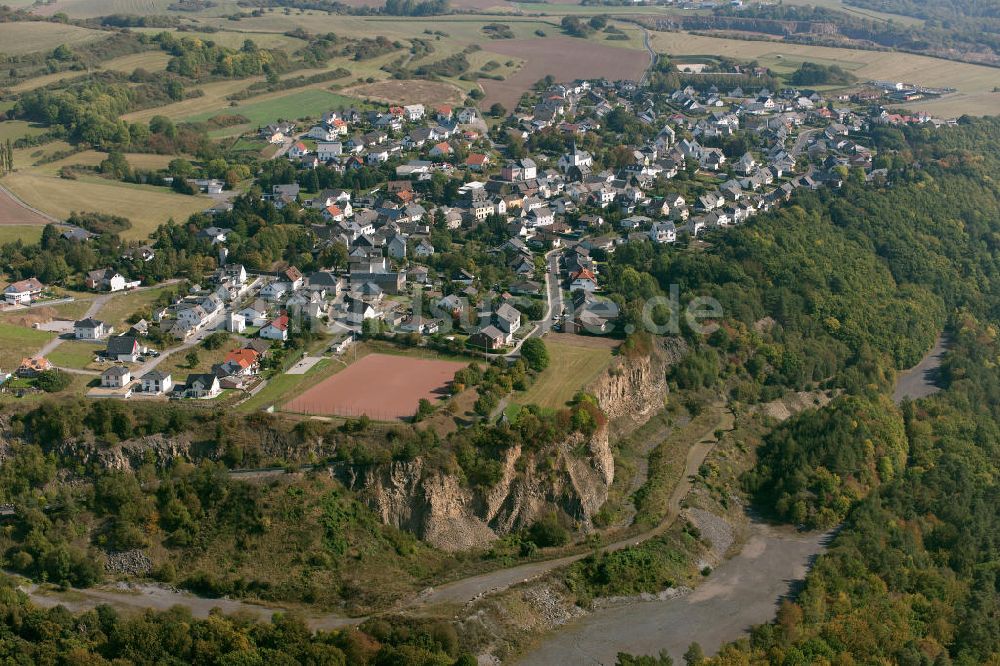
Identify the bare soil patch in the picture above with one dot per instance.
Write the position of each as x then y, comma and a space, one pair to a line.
12, 212
588, 341
428, 93
28, 318
382, 386
566, 58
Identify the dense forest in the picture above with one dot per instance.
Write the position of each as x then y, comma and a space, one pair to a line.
852, 285
911, 577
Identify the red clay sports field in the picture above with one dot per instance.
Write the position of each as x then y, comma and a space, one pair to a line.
382, 386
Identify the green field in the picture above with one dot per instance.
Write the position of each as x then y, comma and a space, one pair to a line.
570, 369
16, 342
121, 307
15, 129
75, 354
281, 388
26, 233
294, 105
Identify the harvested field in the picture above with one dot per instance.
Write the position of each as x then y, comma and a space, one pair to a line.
428, 93
18, 38
565, 58
383, 386
12, 212
146, 206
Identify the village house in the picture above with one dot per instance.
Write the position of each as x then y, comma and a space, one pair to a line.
23, 292
489, 338
33, 366
123, 348
116, 377
156, 382
583, 280
90, 329
277, 329
202, 386
107, 279
235, 322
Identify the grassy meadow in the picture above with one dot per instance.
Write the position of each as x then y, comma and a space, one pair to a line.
571, 368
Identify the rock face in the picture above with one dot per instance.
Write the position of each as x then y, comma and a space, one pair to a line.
573, 477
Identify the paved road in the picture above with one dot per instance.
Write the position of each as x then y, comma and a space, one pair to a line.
800, 142
740, 593
920, 380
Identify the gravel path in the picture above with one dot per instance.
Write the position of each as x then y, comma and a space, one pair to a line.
920, 380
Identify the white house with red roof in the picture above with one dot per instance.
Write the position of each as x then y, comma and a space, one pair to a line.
440, 150
298, 149
583, 280
276, 329
477, 161
334, 213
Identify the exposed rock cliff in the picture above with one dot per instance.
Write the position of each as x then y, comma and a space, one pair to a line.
573, 477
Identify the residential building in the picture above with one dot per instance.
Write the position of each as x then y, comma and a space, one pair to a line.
116, 377
277, 329
124, 348
23, 292
157, 382
89, 329
202, 386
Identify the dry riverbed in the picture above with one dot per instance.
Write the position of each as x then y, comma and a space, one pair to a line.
742, 592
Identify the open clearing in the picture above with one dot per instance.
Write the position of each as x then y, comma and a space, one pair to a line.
383, 386
571, 367
18, 38
146, 206
15, 129
122, 306
741, 592
428, 93
975, 82
564, 57
17, 342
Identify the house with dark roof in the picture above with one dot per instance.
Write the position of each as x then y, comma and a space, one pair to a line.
124, 348
202, 386
116, 377
489, 338
90, 329
157, 382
